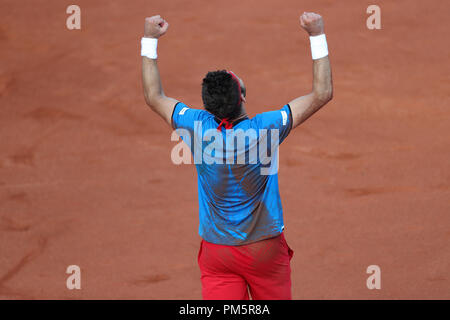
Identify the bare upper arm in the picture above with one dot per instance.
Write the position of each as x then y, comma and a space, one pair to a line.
163, 106
305, 106
302, 108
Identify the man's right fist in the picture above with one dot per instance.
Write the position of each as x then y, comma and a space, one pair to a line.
312, 23
155, 27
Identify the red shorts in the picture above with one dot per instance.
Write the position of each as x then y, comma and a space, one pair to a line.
230, 272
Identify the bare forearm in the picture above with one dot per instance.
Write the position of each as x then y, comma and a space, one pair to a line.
322, 81
322, 92
151, 80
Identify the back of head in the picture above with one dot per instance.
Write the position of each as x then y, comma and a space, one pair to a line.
221, 94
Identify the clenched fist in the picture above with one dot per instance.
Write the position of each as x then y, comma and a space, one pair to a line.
155, 27
312, 23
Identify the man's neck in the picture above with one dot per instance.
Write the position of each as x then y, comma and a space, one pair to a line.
242, 115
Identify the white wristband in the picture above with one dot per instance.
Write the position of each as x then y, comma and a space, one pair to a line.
319, 47
148, 47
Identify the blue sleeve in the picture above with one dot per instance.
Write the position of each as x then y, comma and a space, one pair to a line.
184, 117
279, 119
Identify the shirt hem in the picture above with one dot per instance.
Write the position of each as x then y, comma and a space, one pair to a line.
269, 236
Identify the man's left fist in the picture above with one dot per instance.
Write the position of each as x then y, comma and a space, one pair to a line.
155, 27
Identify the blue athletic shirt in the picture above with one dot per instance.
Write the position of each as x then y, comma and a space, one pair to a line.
238, 203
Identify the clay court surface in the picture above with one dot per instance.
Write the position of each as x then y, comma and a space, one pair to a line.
85, 171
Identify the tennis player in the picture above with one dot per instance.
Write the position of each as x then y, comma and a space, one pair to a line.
243, 251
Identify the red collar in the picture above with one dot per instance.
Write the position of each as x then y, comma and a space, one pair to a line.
225, 123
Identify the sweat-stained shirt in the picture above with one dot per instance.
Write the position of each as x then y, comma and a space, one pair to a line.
238, 194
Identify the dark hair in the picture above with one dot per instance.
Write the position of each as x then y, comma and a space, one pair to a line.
220, 94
